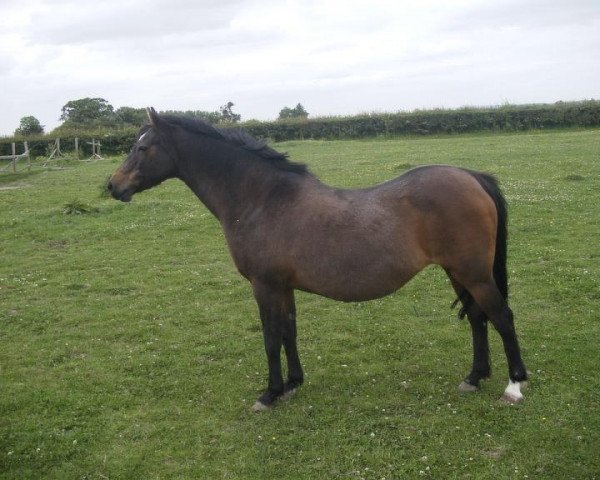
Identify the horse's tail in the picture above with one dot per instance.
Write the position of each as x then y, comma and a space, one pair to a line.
490, 185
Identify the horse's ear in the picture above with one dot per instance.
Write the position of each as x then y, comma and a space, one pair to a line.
157, 122
153, 117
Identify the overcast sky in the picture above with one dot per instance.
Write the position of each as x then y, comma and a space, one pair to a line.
335, 57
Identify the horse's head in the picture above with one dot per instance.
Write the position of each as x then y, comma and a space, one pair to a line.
150, 162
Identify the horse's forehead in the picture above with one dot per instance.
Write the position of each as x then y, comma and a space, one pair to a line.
143, 135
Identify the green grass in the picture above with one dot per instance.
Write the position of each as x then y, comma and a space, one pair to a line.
130, 347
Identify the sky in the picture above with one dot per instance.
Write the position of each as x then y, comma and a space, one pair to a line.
335, 57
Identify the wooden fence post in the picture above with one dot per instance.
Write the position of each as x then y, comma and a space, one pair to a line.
26, 146
14, 158
55, 150
95, 148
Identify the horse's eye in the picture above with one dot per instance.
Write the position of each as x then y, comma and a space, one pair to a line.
142, 148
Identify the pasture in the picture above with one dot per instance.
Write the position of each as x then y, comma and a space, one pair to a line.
130, 347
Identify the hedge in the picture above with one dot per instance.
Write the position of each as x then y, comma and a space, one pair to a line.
420, 122
506, 118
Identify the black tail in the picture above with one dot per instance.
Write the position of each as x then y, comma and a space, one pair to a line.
490, 185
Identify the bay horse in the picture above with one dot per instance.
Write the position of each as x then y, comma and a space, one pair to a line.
288, 231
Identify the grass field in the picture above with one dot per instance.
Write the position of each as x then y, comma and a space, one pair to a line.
130, 347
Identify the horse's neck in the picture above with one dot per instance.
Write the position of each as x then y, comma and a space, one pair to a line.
225, 183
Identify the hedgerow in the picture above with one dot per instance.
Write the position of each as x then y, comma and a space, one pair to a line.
440, 121
419, 122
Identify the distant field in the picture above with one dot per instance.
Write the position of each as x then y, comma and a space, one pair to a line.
130, 347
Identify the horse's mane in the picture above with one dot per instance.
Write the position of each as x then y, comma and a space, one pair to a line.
239, 138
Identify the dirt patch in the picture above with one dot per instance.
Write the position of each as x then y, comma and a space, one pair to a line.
494, 453
13, 187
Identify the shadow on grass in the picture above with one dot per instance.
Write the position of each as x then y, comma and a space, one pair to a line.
574, 178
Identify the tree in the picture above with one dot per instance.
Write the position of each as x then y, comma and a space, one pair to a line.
132, 116
88, 112
227, 115
297, 112
29, 126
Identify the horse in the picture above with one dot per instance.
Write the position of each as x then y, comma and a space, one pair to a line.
287, 231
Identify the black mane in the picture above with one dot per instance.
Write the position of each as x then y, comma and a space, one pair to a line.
239, 138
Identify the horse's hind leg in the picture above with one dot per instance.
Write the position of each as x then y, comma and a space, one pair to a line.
489, 299
481, 368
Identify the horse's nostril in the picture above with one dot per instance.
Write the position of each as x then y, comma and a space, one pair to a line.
109, 186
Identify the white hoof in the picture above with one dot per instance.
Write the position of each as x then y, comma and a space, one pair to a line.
512, 394
260, 407
467, 387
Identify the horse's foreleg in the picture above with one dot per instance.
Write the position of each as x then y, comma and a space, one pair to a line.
273, 305
295, 374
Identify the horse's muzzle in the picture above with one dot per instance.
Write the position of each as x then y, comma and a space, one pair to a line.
124, 195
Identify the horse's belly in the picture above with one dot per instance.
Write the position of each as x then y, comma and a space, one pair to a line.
353, 295
352, 284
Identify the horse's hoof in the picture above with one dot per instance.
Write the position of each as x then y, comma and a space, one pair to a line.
467, 387
287, 395
512, 394
260, 407
510, 399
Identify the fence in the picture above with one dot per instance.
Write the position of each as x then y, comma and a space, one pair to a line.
47, 152
57, 152
14, 158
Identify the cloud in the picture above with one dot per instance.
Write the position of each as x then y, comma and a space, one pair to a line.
333, 56
130, 20
533, 14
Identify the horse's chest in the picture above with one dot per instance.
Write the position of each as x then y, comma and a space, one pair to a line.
254, 251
